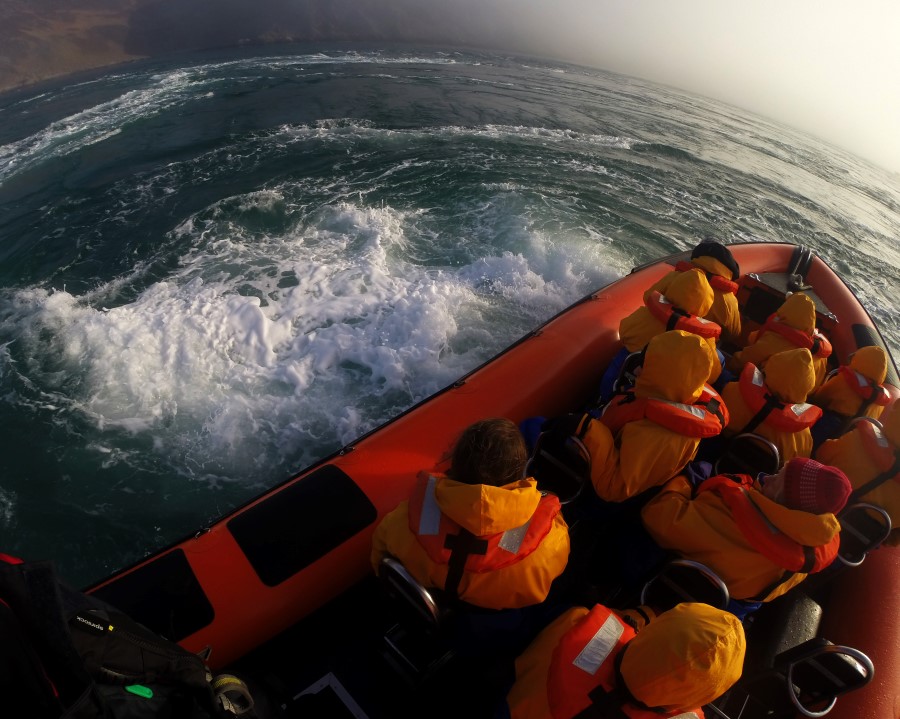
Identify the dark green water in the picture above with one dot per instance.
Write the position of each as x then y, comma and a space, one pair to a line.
214, 272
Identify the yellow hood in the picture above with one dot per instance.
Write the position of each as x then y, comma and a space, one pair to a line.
712, 265
483, 509
870, 362
791, 375
813, 530
799, 312
684, 658
676, 366
690, 291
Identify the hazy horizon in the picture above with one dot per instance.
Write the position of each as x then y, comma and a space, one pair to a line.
827, 68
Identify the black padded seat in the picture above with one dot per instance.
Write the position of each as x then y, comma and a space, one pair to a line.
749, 453
864, 527
416, 645
684, 580
561, 465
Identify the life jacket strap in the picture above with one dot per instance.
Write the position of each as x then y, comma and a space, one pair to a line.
876, 481
604, 705
787, 574
771, 403
461, 546
714, 406
877, 391
676, 316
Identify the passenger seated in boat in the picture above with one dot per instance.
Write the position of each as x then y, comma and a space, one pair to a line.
483, 533
870, 457
791, 326
722, 272
689, 297
650, 433
853, 390
772, 403
761, 537
590, 659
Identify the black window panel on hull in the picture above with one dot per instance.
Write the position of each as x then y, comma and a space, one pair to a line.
163, 595
301, 523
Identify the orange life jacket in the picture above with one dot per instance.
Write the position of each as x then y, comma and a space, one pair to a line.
676, 319
878, 447
440, 536
782, 417
775, 546
582, 671
706, 417
864, 387
817, 344
717, 282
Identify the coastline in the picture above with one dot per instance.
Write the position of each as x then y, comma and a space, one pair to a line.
38, 46
40, 42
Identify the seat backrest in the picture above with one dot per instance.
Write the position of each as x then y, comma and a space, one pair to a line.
805, 680
417, 604
856, 420
628, 373
817, 672
560, 464
684, 580
749, 453
864, 527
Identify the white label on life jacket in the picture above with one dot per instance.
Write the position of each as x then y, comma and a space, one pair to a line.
686, 715
863, 382
799, 409
758, 378
511, 540
430, 519
599, 647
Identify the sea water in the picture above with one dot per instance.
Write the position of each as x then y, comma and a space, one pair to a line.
216, 270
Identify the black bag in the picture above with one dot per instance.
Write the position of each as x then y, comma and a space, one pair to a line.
66, 655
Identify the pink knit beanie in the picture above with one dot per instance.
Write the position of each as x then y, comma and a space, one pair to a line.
814, 487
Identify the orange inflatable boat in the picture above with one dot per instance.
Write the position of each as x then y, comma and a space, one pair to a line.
252, 585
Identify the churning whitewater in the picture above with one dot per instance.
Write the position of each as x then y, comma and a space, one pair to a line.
216, 272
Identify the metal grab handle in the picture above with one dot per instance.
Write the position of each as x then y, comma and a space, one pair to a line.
830, 649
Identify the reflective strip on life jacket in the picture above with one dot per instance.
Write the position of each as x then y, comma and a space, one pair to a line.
866, 389
706, 417
440, 536
676, 319
585, 659
717, 282
763, 536
781, 416
430, 517
817, 344
582, 678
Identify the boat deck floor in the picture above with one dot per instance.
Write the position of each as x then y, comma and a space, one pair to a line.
333, 665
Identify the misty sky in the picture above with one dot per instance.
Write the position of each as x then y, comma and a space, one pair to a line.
830, 67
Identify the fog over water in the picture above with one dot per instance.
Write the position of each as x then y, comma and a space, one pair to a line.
826, 67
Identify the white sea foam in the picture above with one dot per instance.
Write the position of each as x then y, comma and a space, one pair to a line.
258, 346
95, 124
